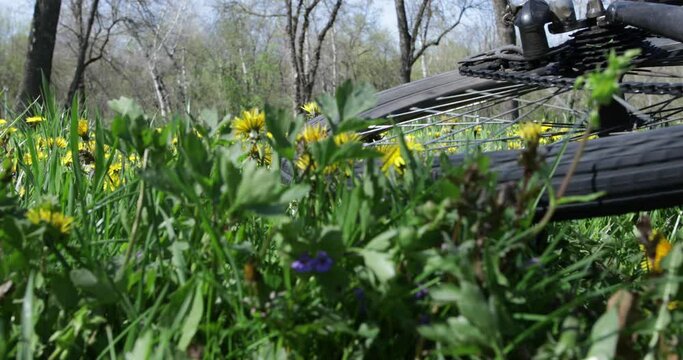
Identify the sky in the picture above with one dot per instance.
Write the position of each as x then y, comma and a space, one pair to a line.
22, 10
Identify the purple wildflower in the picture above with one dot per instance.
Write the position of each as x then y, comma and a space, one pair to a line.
422, 293
303, 264
359, 293
322, 262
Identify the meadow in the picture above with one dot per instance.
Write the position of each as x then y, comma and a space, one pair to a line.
138, 237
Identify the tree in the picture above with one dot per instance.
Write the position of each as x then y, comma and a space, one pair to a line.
41, 47
419, 24
298, 22
156, 26
92, 33
505, 31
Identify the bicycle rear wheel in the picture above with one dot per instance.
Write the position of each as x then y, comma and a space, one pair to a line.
637, 170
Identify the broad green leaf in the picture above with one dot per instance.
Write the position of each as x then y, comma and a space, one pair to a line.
605, 335
569, 336
209, 117
382, 242
126, 107
283, 127
142, 349
380, 264
83, 278
445, 294
470, 302
27, 343
349, 102
192, 320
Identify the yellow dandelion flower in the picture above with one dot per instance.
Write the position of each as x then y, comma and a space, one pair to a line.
83, 128
55, 219
530, 132
60, 142
659, 248
22, 191
312, 133
311, 108
391, 157
305, 162
28, 159
477, 130
250, 125
263, 154
514, 144
67, 159
549, 138
4, 129
412, 143
34, 119
347, 137
113, 179
115, 168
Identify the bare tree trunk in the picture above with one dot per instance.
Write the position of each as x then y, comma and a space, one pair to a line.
408, 34
506, 33
335, 81
506, 36
40, 49
184, 83
159, 88
305, 57
77, 85
405, 41
423, 63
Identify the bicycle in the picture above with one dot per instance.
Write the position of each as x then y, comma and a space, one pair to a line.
470, 106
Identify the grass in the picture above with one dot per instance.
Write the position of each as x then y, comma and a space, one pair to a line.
182, 242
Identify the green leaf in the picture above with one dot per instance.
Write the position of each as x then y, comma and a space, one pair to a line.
570, 333
126, 107
458, 335
283, 128
26, 345
96, 284
83, 278
382, 242
353, 151
354, 99
445, 294
672, 262
351, 100
142, 349
471, 303
295, 193
380, 264
192, 320
580, 198
209, 117
605, 335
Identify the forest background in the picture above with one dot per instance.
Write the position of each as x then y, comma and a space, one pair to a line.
181, 55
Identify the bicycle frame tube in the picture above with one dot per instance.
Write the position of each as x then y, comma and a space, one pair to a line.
661, 19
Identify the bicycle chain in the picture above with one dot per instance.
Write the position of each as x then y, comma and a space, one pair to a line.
587, 44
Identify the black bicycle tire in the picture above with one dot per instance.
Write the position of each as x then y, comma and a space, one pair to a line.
636, 172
